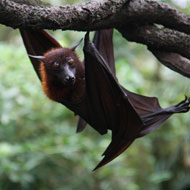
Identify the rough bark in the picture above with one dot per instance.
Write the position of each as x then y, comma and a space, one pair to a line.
137, 20
159, 38
82, 16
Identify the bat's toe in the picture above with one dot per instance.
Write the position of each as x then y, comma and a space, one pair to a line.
183, 106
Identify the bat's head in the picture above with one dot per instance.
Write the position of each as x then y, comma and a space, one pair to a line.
60, 65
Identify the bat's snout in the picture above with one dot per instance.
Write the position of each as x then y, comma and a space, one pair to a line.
69, 80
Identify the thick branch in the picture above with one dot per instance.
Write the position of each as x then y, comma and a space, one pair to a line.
103, 14
161, 39
170, 47
152, 11
82, 16
135, 19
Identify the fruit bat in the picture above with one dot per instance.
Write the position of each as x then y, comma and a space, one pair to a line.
94, 93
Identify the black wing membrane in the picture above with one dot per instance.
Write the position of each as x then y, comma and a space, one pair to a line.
108, 100
103, 41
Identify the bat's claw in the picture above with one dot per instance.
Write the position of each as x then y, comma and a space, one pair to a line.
90, 16
183, 101
183, 106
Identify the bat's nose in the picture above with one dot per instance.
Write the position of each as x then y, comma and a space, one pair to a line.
69, 80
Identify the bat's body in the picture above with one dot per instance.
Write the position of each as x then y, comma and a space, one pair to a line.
94, 93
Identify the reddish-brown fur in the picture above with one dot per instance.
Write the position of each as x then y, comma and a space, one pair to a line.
57, 91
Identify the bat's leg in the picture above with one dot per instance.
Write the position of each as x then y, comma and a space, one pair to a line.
181, 107
153, 120
183, 101
89, 19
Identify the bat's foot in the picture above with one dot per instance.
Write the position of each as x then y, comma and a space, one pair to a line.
181, 107
90, 16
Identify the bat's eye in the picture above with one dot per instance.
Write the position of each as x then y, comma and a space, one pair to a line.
70, 61
56, 64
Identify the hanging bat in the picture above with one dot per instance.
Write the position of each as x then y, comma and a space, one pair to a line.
95, 94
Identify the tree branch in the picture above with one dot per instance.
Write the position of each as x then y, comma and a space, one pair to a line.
73, 17
161, 39
103, 14
152, 11
135, 19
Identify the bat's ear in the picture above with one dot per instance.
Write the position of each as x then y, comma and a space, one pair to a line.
76, 45
39, 57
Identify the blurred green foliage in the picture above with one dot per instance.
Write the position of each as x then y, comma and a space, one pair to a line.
38, 145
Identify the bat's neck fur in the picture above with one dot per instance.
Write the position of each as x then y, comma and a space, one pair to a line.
58, 92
